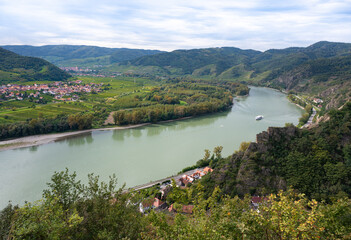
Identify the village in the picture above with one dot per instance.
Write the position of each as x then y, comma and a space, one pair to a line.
62, 91
88, 72
159, 203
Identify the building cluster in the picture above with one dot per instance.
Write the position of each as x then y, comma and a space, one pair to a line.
159, 203
90, 72
57, 89
186, 179
102, 75
318, 101
76, 69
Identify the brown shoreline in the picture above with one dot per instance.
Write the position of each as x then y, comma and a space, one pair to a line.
35, 140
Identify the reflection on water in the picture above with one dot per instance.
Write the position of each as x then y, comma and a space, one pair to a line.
158, 128
153, 130
78, 140
118, 135
33, 148
89, 139
136, 133
142, 154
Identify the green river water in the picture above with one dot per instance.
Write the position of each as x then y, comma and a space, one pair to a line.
142, 154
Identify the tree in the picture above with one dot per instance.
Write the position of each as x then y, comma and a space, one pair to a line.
207, 155
119, 117
71, 210
45, 219
218, 152
65, 188
6, 216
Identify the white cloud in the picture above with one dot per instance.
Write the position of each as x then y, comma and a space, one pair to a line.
174, 24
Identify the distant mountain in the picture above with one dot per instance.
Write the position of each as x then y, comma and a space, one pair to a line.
295, 68
214, 61
80, 55
14, 67
190, 60
328, 78
322, 68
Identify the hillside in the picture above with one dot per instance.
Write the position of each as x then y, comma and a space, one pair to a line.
190, 60
314, 70
274, 61
14, 67
79, 55
322, 69
329, 79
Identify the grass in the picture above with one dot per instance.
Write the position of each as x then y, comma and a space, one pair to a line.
47, 110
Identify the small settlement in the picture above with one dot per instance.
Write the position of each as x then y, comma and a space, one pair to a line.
63, 91
159, 203
82, 71
318, 101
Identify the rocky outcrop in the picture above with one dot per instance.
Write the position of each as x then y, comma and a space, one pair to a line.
247, 171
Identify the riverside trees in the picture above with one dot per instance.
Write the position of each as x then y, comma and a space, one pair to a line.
182, 99
59, 123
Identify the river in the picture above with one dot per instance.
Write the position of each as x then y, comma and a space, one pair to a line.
142, 154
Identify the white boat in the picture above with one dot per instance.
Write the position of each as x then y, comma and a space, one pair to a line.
259, 117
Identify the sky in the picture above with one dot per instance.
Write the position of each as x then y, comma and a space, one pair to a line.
175, 24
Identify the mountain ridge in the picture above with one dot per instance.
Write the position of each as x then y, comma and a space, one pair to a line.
62, 54
14, 67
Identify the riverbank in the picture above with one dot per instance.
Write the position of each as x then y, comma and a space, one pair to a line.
37, 140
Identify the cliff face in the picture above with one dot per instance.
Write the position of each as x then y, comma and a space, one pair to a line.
252, 175
247, 172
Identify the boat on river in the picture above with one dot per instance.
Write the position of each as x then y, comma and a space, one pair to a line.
259, 117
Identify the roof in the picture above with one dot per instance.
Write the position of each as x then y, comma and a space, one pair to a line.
188, 209
157, 202
207, 170
258, 199
148, 202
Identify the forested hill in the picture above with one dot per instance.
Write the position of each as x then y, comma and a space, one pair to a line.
327, 78
190, 60
14, 67
316, 162
69, 55
217, 61
322, 69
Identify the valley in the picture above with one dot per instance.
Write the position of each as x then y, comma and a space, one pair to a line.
146, 115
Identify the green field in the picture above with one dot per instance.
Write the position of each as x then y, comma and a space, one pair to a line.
121, 91
47, 110
127, 93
